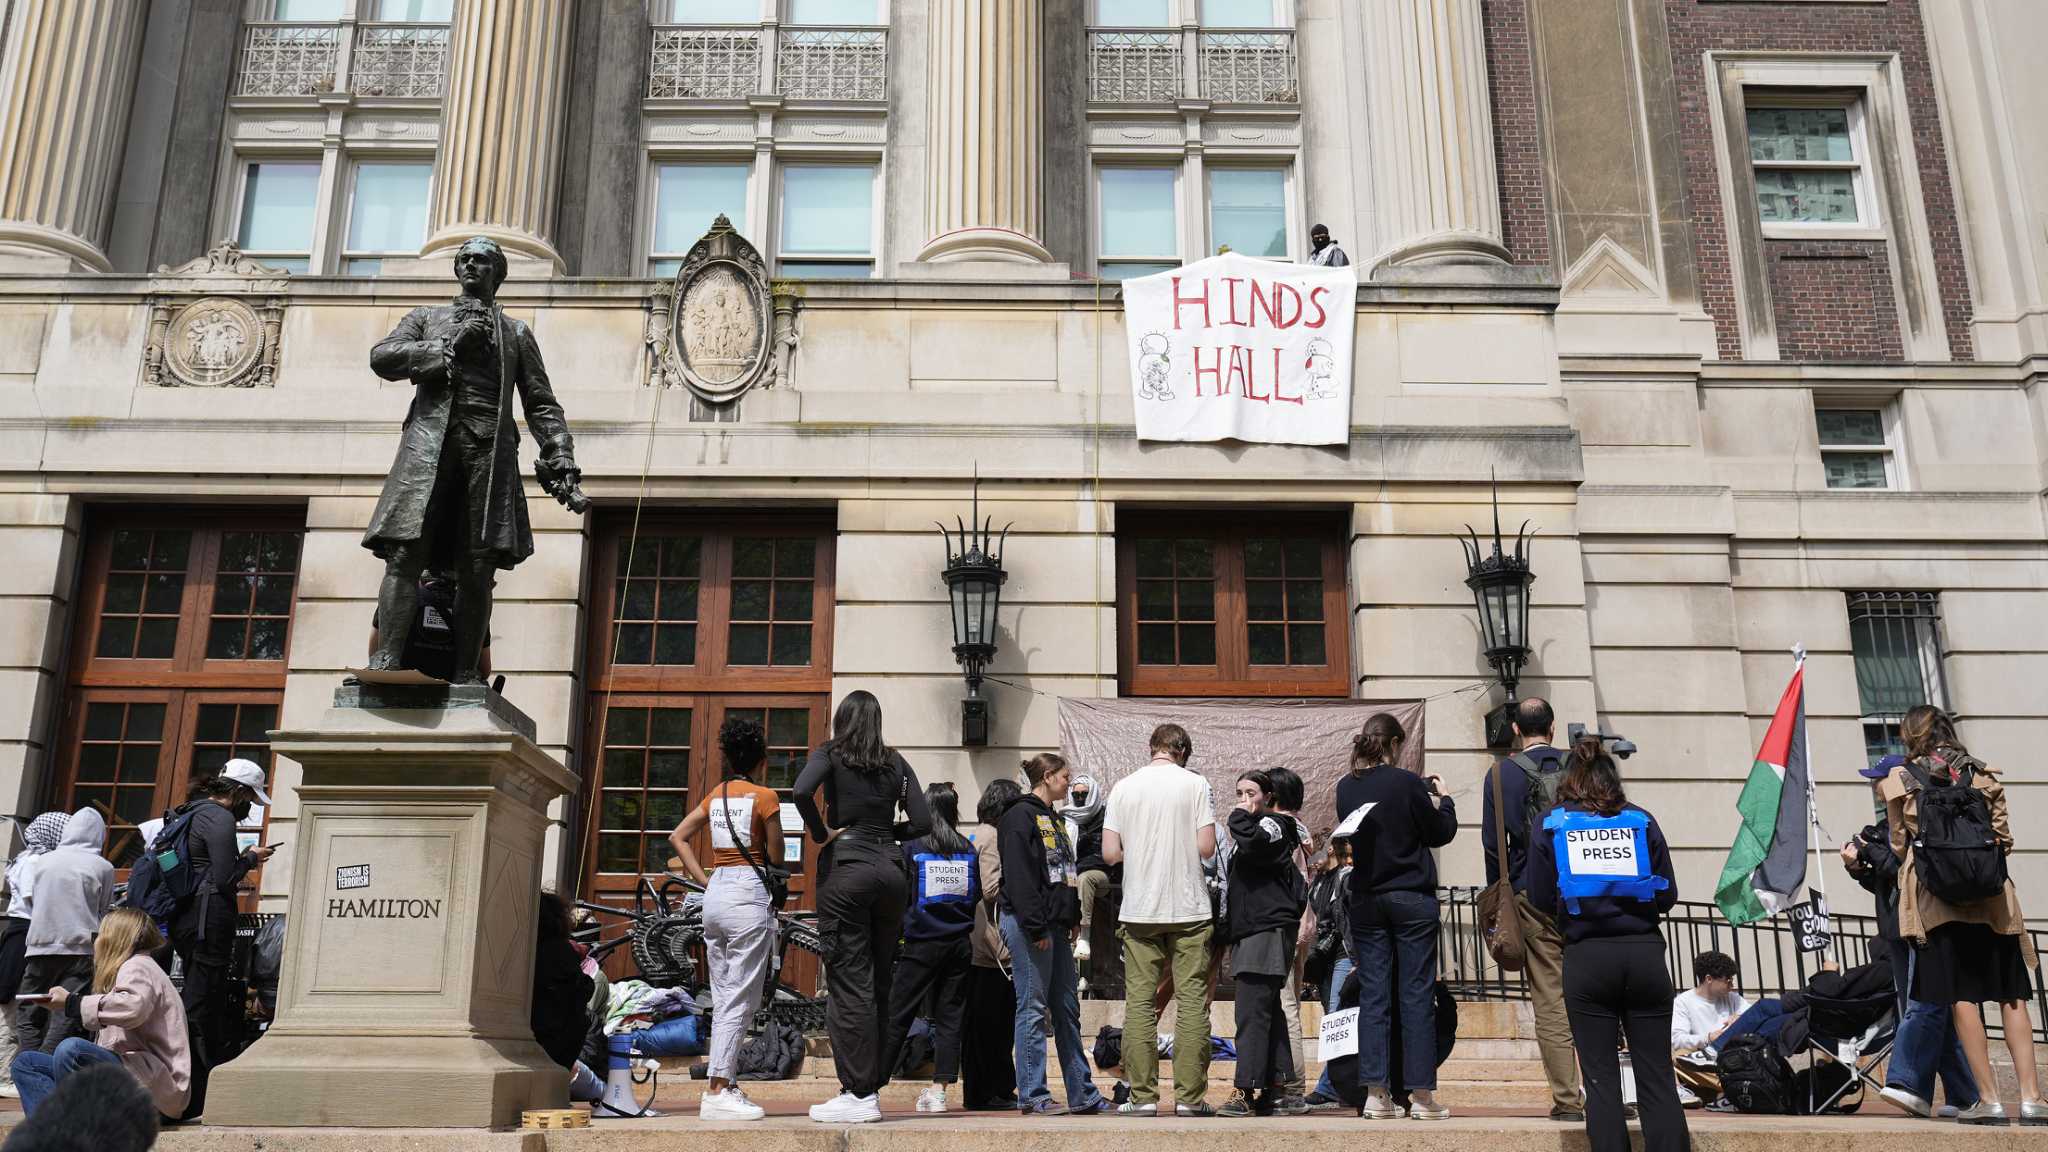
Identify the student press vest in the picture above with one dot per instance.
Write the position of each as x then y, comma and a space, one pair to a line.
943, 878
1602, 856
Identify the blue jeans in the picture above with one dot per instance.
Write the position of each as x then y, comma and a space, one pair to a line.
1927, 1042
1393, 934
1765, 1018
1338, 971
1045, 980
38, 1073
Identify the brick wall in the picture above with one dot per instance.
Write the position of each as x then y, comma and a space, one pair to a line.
1518, 159
1833, 300
1887, 26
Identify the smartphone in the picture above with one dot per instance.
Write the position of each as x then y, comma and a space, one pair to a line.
32, 998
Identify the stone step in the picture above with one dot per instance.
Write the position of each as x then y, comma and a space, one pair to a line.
1500, 1073
809, 1089
1876, 1129
1477, 1020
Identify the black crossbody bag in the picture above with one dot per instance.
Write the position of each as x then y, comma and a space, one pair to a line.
775, 880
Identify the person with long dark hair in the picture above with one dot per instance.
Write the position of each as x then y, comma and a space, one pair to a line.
938, 953
1266, 898
1395, 915
1972, 951
862, 891
744, 819
988, 1070
1601, 866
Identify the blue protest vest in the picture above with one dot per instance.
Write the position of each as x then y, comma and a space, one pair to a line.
943, 878
1602, 856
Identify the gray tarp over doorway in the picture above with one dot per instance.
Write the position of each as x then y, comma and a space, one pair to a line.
1108, 739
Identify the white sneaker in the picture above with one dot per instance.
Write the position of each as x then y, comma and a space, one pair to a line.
731, 1104
1423, 1105
1081, 951
1687, 1098
932, 1099
10, 1091
1379, 1104
1906, 1100
846, 1108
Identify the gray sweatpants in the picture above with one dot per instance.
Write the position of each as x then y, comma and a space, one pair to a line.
739, 930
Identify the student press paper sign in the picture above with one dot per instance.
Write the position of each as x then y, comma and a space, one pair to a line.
1339, 1035
1602, 852
1233, 348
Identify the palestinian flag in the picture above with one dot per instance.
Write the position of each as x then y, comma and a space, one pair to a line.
1767, 864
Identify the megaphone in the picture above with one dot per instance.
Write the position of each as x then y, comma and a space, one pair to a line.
622, 1072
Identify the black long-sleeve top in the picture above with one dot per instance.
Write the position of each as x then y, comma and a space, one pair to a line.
214, 854
1038, 860
858, 799
1266, 889
1390, 850
1601, 916
1877, 870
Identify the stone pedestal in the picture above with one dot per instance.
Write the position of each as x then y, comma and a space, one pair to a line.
408, 963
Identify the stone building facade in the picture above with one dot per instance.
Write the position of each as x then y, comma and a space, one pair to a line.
1742, 303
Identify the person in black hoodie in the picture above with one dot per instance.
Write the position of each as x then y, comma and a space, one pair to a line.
938, 953
560, 1017
1040, 913
1394, 913
1267, 894
203, 931
1611, 890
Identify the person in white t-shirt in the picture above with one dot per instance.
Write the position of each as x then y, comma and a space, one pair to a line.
1160, 826
1698, 1017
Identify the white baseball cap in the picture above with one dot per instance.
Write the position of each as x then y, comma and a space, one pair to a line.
247, 774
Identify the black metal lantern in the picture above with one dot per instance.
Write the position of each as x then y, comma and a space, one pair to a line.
1500, 591
974, 583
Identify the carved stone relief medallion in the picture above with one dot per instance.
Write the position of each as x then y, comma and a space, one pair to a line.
709, 327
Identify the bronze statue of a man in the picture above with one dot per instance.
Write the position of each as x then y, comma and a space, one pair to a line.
454, 501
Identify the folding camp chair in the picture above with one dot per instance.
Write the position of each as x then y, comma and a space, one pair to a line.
1857, 1034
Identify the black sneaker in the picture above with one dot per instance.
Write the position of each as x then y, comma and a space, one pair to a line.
1567, 1116
1291, 1105
1317, 1102
1239, 1105
1047, 1107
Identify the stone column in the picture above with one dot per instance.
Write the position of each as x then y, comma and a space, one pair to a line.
501, 127
1436, 198
66, 79
984, 150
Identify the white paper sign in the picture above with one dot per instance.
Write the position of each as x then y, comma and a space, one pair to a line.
792, 820
1234, 348
730, 814
1350, 824
945, 878
1339, 1035
1601, 851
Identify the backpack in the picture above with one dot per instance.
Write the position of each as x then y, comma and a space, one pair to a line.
1955, 853
1109, 1048
1542, 794
164, 879
774, 1053
1755, 1077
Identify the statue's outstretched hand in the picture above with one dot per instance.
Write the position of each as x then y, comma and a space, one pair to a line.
562, 479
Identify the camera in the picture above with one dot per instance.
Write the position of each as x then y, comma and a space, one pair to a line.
1621, 746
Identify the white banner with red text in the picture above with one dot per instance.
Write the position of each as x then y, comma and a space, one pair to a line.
1236, 348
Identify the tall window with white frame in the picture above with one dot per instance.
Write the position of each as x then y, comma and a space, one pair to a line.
688, 196
1137, 220
1248, 211
1807, 155
1896, 642
387, 214
279, 205
1856, 449
827, 227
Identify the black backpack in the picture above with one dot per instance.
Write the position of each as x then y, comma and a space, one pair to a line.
163, 881
1755, 1077
1543, 785
1955, 853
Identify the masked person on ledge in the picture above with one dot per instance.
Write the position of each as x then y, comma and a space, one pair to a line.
1602, 867
862, 892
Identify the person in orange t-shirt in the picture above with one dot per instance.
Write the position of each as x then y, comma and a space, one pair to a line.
739, 924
